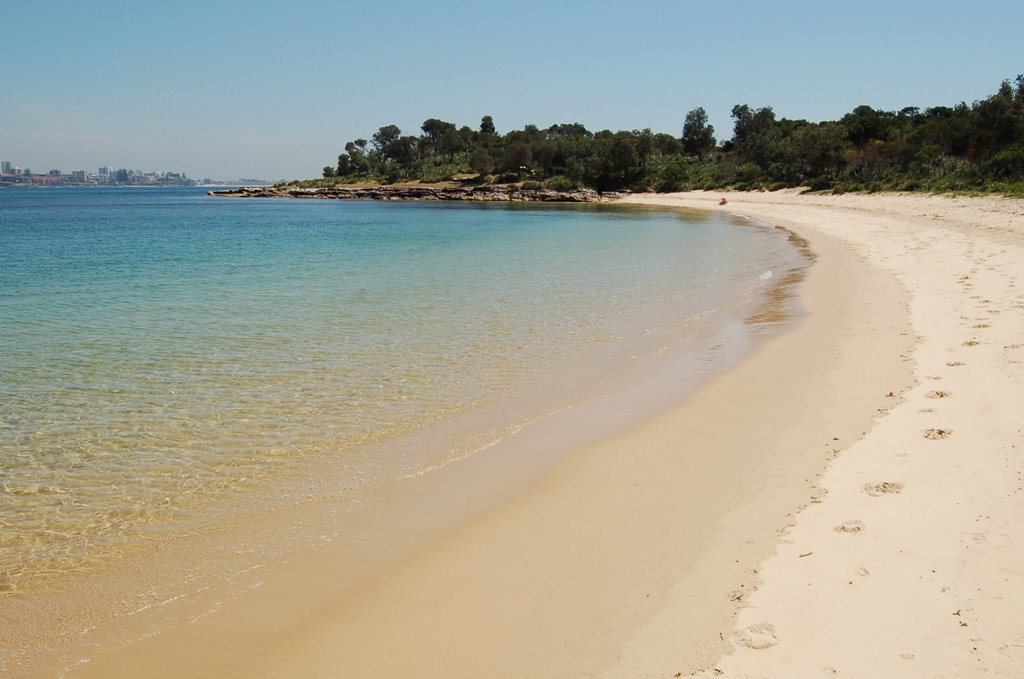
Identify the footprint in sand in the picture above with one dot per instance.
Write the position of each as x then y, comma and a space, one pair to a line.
954, 364
939, 394
758, 637
971, 343
883, 488
852, 526
935, 434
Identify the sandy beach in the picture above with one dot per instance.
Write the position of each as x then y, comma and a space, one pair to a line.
910, 561
847, 501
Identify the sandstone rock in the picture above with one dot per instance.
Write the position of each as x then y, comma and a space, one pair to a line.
474, 193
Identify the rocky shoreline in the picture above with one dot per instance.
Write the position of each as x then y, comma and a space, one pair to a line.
473, 193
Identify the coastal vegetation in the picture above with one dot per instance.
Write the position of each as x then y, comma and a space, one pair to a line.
965, 147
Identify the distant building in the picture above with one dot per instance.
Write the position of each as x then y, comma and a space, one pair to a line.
12, 175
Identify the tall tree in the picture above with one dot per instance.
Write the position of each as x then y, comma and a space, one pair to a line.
487, 126
481, 162
384, 136
403, 151
354, 160
698, 137
820, 148
755, 133
865, 123
440, 137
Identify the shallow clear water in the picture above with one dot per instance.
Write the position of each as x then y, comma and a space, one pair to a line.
161, 350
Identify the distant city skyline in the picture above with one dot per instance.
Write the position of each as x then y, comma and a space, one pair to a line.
256, 89
12, 173
8, 167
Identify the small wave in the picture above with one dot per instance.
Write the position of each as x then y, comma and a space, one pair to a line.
766, 275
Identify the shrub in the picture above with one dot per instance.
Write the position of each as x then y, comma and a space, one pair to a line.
748, 173
438, 173
1008, 164
561, 183
819, 184
672, 176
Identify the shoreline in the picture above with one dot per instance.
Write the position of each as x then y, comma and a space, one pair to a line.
417, 192
847, 500
472, 486
571, 574
909, 562
582, 567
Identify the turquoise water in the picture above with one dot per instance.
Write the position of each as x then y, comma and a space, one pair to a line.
162, 351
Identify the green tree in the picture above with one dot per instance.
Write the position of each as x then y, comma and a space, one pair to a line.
344, 167
997, 122
439, 137
354, 161
698, 137
567, 131
385, 136
533, 132
820, 148
487, 126
865, 123
481, 162
614, 162
667, 145
643, 144
755, 134
403, 151
518, 157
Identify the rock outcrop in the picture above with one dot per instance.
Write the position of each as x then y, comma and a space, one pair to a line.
473, 193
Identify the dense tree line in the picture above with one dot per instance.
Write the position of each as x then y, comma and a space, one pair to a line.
978, 146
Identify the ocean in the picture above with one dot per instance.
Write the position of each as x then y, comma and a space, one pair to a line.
170, 361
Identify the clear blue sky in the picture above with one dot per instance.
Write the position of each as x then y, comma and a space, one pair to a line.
274, 90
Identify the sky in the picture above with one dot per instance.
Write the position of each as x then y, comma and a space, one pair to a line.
274, 90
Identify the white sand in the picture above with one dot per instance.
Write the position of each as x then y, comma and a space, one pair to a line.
913, 564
